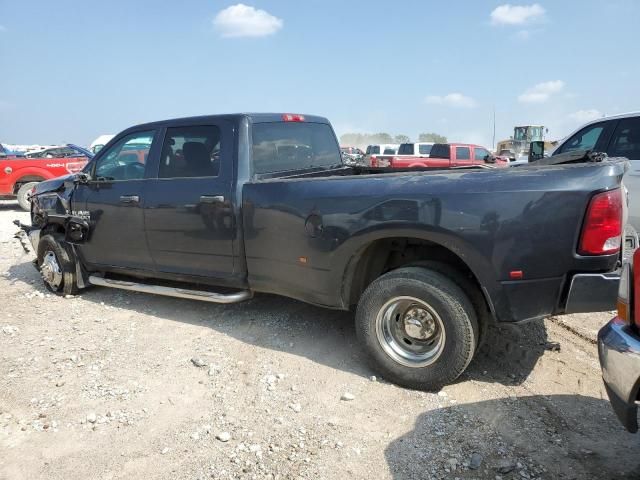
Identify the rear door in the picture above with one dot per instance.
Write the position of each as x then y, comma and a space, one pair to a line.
189, 215
625, 142
114, 199
462, 156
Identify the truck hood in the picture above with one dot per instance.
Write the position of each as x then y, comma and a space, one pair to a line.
53, 185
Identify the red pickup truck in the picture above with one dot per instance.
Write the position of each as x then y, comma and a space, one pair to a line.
18, 175
444, 155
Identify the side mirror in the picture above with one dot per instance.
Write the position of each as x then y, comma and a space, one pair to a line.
536, 151
490, 159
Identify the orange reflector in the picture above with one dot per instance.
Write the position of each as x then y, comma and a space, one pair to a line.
623, 310
303, 259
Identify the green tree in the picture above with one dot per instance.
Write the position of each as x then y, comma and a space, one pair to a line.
401, 139
432, 137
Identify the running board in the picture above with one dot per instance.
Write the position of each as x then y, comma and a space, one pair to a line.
172, 292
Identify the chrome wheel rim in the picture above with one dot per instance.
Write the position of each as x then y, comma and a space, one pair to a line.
410, 331
50, 270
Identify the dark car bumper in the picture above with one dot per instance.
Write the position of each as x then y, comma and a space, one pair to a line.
619, 352
593, 292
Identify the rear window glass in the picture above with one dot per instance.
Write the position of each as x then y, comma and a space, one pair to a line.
389, 151
440, 150
425, 149
406, 149
283, 146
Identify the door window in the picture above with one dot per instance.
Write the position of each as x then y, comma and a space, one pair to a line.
463, 153
481, 154
585, 139
192, 151
126, 159
626, 139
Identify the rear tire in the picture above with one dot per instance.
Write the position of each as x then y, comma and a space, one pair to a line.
23, 195
56, 263
418, 326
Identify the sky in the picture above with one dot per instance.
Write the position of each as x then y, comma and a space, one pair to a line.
72, 70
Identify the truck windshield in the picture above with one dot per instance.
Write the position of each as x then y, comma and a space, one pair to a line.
286, 146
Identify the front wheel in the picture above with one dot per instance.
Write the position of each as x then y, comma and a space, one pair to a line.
418, 326
56, 265
24, 195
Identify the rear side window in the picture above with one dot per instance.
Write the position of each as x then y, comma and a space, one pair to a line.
425, 149
406, 149
389, 151
626, 139
440, 150
284, 146
585, 139
190, 152
463, 153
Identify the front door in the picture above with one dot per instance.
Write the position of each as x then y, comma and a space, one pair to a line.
114, 200
189, 215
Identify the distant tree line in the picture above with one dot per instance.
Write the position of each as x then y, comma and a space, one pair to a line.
363, 139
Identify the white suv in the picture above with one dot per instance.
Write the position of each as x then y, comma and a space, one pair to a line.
379, 149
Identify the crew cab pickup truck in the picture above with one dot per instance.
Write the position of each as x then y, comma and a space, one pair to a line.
18, 175
442, 155
217, 208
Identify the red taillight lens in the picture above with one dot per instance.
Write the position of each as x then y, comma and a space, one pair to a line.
75, 167
374, 161
292, 117
602, 229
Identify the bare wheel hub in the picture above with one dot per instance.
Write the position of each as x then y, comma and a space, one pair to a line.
419, 324
50, 269
410, 331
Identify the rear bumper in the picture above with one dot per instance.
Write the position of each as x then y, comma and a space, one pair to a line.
619, 353
592, 292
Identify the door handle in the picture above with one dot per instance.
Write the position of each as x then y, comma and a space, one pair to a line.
129, 199
212, 199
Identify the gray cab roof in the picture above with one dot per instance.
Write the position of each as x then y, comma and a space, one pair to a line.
234, 117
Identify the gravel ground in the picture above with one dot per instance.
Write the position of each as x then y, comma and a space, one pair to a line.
114, 385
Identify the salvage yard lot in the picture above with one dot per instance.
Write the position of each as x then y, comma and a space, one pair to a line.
116, 384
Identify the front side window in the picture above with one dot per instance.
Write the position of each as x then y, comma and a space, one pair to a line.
585, 139
463, 153
425, 149
481, 154
626, 139
286, 146
192, 151
126, 159
375, 150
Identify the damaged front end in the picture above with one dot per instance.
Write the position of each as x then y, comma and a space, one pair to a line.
51, 208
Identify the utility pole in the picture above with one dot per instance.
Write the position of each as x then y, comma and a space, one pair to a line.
493, 147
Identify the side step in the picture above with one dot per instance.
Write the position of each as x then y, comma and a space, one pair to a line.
172, 292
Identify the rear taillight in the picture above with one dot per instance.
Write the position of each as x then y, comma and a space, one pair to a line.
292, 117
374, 161
75, 167
602, 228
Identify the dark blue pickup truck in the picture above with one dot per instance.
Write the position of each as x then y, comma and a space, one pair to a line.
216, 208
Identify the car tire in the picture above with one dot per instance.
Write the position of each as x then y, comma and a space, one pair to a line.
56, 263
418, 326
23, 195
